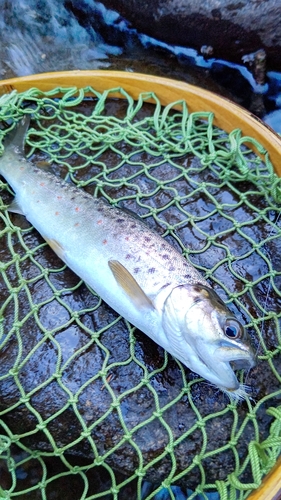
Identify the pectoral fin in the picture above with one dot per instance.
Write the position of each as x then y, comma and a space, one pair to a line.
129, 285
56, 246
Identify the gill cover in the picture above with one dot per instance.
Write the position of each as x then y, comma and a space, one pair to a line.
174, 319
205, 335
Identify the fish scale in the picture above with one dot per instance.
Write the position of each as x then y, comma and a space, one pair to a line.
132, 268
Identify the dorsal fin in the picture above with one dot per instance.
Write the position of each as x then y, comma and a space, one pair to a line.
130, 212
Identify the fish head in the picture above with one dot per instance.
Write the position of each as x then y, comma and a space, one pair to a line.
206, 336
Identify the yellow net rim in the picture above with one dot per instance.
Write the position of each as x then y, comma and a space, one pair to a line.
227, 115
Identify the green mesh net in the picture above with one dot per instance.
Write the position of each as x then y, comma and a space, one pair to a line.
89, 406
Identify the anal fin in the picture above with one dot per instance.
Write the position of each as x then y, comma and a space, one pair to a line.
15, 207
128, 283
56, 247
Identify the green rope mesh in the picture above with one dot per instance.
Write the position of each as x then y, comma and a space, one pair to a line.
74, 133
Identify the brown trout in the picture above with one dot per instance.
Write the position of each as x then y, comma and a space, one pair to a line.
133, 269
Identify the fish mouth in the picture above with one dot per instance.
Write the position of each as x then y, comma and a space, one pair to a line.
243, 363
239, 357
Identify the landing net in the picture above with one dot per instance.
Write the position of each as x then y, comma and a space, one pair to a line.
90, 408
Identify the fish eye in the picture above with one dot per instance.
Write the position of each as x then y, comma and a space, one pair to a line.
233, 329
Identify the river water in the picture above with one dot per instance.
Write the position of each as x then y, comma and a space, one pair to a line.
53, 35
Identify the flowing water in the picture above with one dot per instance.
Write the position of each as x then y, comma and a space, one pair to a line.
55, 35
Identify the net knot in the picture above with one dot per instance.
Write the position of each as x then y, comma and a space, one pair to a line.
86, 433
201, 424
24, 399
41, 426
73, 399
17, 324
208, 158
140, 473
158, 413
58, 452
4, 494
256, 245
251, 416
197, 460
236, 224
169, 448
14, 371
36, 454
166, 484
144, 381
98, 461
75, 314
76, 469
270, 354
5, 443
95, 335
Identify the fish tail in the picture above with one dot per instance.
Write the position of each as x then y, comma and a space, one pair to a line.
11, 159
16, 137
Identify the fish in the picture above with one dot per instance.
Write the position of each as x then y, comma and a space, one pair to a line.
132, 268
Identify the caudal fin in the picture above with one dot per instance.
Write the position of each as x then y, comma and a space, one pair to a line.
16, 137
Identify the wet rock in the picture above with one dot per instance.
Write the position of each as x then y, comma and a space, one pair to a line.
230, 29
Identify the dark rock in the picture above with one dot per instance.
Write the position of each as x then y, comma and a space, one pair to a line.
233, 29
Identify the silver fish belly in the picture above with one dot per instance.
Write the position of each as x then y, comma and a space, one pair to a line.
133, 269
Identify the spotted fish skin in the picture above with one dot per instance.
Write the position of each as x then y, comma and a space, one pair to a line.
132, 268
